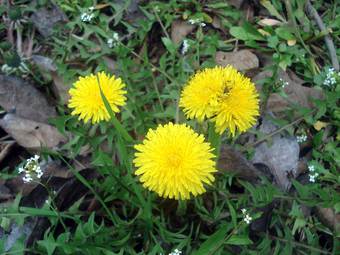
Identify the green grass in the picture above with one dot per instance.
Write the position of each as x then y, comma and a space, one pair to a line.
117, 215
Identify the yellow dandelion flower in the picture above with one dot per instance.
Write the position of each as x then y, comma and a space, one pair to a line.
87, 102
200, 95
238, 106
174, 161
223, 95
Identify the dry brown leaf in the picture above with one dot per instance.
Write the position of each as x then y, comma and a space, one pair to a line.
291, 42
329, 218
5, 149
59, 88
45, 19
20, 97
31, 134
281, 156
269, 22
319, 125
180, 29
242, 60
233, 161
296, 93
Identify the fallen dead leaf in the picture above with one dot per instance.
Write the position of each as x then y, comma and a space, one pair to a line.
5, 149
22, 98
281, 156
45, 19
319, 125
60, 89
269, 22
31, 134
180, 29
291, 42
231, 160
44, 63
242, 60
329, 218
295, 91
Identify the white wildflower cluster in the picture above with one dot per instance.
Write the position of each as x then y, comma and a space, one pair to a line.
283, 83
113, 41
331, 77
313, 174
88, 15
197, 21
246, 217
31, 169
301, 138
185, 47
176, 252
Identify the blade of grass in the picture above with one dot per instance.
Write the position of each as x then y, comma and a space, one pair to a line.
88, 185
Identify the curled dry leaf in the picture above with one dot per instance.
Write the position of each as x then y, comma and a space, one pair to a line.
281, 156
31, 134
231, 160
242, 60
22, 98
180, 29
295, 91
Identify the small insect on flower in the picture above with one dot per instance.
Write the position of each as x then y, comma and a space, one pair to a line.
175, 162
86, 99
225, 96
31, 169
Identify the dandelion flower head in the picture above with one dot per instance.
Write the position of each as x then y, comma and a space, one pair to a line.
199, 97
86, 100
225, 96
175, 162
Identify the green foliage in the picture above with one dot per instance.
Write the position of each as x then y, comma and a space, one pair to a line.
130, 220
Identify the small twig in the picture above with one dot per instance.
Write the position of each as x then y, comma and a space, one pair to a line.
161, 23
277, 131
328, 39
297, 244
291, 18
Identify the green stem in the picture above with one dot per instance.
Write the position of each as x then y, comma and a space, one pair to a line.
214, 139
121, 130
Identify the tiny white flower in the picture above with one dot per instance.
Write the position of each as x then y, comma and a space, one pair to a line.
176, 252
331, 77
311, 168
113, 41
247, 219
31, 169
243, 210
91, 9
185, 47
86, 17
301, 138
196, 21
283, 83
